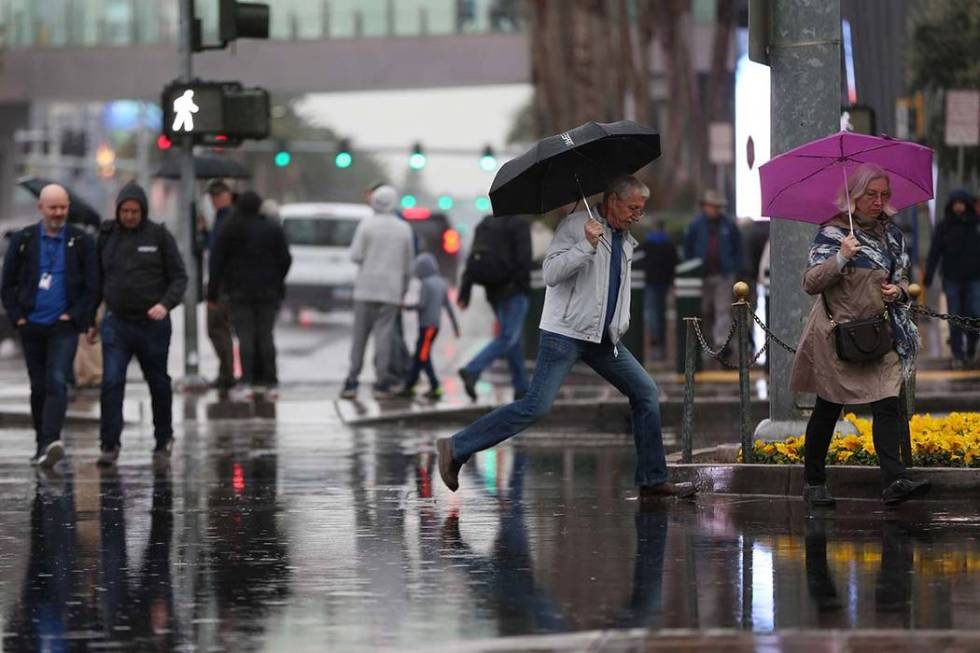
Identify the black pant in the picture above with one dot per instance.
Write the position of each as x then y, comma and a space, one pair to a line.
219, 331
254, 322
886, 431
49, 350
423, 358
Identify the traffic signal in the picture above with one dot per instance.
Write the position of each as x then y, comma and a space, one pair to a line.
408, 201
482, 204
242, 20
445, 202
416, 161
283, 157
164, 143
343, 159
209, 110
488, 162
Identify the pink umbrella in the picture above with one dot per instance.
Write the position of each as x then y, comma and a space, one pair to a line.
803, 184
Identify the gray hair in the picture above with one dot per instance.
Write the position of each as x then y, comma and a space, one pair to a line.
624, 185
857, 184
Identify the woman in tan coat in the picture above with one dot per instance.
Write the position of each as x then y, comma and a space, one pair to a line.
861, 274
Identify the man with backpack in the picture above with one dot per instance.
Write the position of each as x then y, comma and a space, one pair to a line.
49, 292
500, 261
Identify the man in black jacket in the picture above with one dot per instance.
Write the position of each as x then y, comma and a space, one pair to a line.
143, 279
249, 263
510, 237
956, 241
49, 291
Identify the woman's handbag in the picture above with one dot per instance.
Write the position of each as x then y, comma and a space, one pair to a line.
861, 341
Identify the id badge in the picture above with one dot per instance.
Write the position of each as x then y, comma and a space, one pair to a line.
45, 282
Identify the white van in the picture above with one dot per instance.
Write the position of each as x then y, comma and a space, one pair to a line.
319, 236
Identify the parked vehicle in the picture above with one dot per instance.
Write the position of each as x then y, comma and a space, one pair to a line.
436, 235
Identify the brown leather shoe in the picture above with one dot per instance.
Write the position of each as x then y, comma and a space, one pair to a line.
448, 468
667, 490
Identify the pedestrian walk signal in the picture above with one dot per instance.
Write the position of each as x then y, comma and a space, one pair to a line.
206, 110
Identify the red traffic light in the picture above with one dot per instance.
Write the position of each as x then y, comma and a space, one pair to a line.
163, 142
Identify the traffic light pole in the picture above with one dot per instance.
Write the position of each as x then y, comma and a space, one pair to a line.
187, 225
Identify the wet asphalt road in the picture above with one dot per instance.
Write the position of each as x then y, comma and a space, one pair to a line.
281, 534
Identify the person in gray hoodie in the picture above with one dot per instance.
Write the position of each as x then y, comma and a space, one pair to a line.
382, 248
433, 297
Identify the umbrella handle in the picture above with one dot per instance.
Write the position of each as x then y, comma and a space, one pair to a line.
847, 194
587, 207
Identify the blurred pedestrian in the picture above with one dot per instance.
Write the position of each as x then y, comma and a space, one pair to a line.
142, 280
218, 312
249, 263
433, 297
956, 242
586, 312
714, 238
500, 261
859, 274
382, 248
658, 262
49, 291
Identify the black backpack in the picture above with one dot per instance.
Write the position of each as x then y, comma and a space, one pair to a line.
489, 262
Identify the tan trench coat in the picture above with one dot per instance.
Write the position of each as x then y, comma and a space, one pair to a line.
852, 294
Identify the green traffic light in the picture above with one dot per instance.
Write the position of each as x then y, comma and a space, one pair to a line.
408, 201
482, 203
445, 202
283, 158
416, 161
343, 160
488, 163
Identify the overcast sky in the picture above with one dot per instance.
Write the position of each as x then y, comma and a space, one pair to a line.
468, 117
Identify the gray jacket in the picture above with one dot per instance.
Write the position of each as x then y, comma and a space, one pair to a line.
383, 248
577, 279
433, 294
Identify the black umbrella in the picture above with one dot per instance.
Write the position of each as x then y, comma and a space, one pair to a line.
80, 212
575, 164
205, 167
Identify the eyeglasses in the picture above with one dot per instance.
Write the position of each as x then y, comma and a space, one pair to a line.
634, 209
884, 196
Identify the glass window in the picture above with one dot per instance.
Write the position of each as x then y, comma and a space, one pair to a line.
322, 231
704, 11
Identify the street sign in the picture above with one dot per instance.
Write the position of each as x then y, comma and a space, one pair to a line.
192, 108
962, 117
721, 143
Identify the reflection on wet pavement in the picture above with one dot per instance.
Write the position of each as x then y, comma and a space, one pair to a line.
267, 536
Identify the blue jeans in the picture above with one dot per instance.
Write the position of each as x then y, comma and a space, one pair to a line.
655, 310
962, 298
49, 351
510, 316
149, 341
556, 355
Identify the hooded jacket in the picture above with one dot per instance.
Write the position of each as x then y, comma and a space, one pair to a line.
383, 249
250, 258
139, 267
956, 242
433, 294
697, 240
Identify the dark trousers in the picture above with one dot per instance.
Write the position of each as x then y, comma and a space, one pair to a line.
219, 332
49, 351
962, 298
254, 322
886, 431
423, 358
149, 341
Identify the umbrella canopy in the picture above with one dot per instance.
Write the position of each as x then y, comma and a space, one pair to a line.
80, 212
205, 167
563, 168
803, 184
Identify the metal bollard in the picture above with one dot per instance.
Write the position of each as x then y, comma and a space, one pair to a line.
690, 363
740, 312
907, 399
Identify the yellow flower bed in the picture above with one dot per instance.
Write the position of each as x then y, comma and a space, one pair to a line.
950, 441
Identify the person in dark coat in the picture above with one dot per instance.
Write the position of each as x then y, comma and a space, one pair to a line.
956, 242
142, 280
49, 289
249, 263
658, 263
218, 312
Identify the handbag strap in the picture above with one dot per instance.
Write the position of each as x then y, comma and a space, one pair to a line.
826, 308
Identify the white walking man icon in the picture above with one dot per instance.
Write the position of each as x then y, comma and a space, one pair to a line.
184, 108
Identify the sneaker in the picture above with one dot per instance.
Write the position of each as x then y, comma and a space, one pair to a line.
350, 390
469, 382
269, 392
51, 454
434, 393
108, 457
406, 393
817, 496
904, 489
667, 489
958, 364
448, 468
241, 392
161, 453
382, 391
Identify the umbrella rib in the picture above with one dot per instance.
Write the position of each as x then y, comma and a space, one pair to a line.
800, 181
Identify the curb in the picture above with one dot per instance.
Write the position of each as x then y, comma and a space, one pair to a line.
9, 419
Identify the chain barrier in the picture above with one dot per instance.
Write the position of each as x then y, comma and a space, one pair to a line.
717, 355
971, 324
772, 336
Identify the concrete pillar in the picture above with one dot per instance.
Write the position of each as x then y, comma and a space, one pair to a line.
806, 97
12, 117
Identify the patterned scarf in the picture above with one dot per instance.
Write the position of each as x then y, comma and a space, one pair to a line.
889, 256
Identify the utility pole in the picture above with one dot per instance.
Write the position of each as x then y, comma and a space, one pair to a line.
187, 214
804, 56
